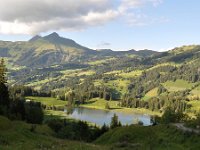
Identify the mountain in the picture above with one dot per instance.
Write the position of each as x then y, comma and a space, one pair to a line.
50, 50
142, 53
44, 51
35, 38
53, 49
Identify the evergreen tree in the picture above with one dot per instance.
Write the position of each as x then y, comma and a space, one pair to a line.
2, 72
4, 94
114, 122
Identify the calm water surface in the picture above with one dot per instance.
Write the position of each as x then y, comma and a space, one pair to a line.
99, 117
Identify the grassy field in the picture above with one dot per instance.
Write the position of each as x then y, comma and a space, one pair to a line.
119, 85
195, 92
16, 135
76, 72
195, 106
126, 75
100, 104
97, 103
116, 72
163, 64
178, 85
151, 93
99, 62
49, 101
40, 82
160, 137
131, 74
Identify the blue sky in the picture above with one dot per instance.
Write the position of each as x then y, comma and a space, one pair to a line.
154, 24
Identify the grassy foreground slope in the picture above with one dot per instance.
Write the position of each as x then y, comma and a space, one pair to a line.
16, 135
160, 137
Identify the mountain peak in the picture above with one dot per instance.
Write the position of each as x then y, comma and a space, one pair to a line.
35, 38
54, 34
54, 38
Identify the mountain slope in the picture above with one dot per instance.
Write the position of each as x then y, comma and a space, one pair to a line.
52, 49
44, 51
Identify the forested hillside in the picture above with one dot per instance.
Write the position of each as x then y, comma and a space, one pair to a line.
59, 67
50, 74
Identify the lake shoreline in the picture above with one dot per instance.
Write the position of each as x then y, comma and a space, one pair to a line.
126, 110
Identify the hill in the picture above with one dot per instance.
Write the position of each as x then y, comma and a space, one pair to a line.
161, 137
17, 135
55, 65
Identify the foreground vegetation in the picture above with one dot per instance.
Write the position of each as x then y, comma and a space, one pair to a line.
161, 137
18, 135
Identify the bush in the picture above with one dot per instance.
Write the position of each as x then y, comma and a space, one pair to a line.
55, 124
34, 113
170, 116
107, 106
75, 130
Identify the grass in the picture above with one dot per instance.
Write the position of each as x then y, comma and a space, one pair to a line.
126, 75
195, 92
18, 136
77, 72
120, 85
54, 114
98, 103
131, 74
160, 137
49, 101
5, 123
195, 105
95, 103
163, 64
150, 94
116, 72
138, 111
183, 49
99, 62
36, 83
178, 85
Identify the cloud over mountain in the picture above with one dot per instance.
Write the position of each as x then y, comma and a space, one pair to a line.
35, 16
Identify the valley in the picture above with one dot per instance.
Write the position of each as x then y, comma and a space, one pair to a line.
126, 79
73, 87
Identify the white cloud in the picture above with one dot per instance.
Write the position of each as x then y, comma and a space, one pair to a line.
131, 4
143, 19
35, 16
104, 44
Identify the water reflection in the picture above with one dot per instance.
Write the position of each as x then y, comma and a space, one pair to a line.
100, 117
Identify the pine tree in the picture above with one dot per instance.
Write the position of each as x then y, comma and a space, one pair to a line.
115, 122
4, 94
2, 72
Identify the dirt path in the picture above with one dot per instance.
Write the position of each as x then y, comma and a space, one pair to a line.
186, 129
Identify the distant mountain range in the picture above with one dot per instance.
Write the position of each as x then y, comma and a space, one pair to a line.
53, 49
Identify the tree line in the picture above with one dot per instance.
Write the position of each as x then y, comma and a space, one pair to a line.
14, 106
